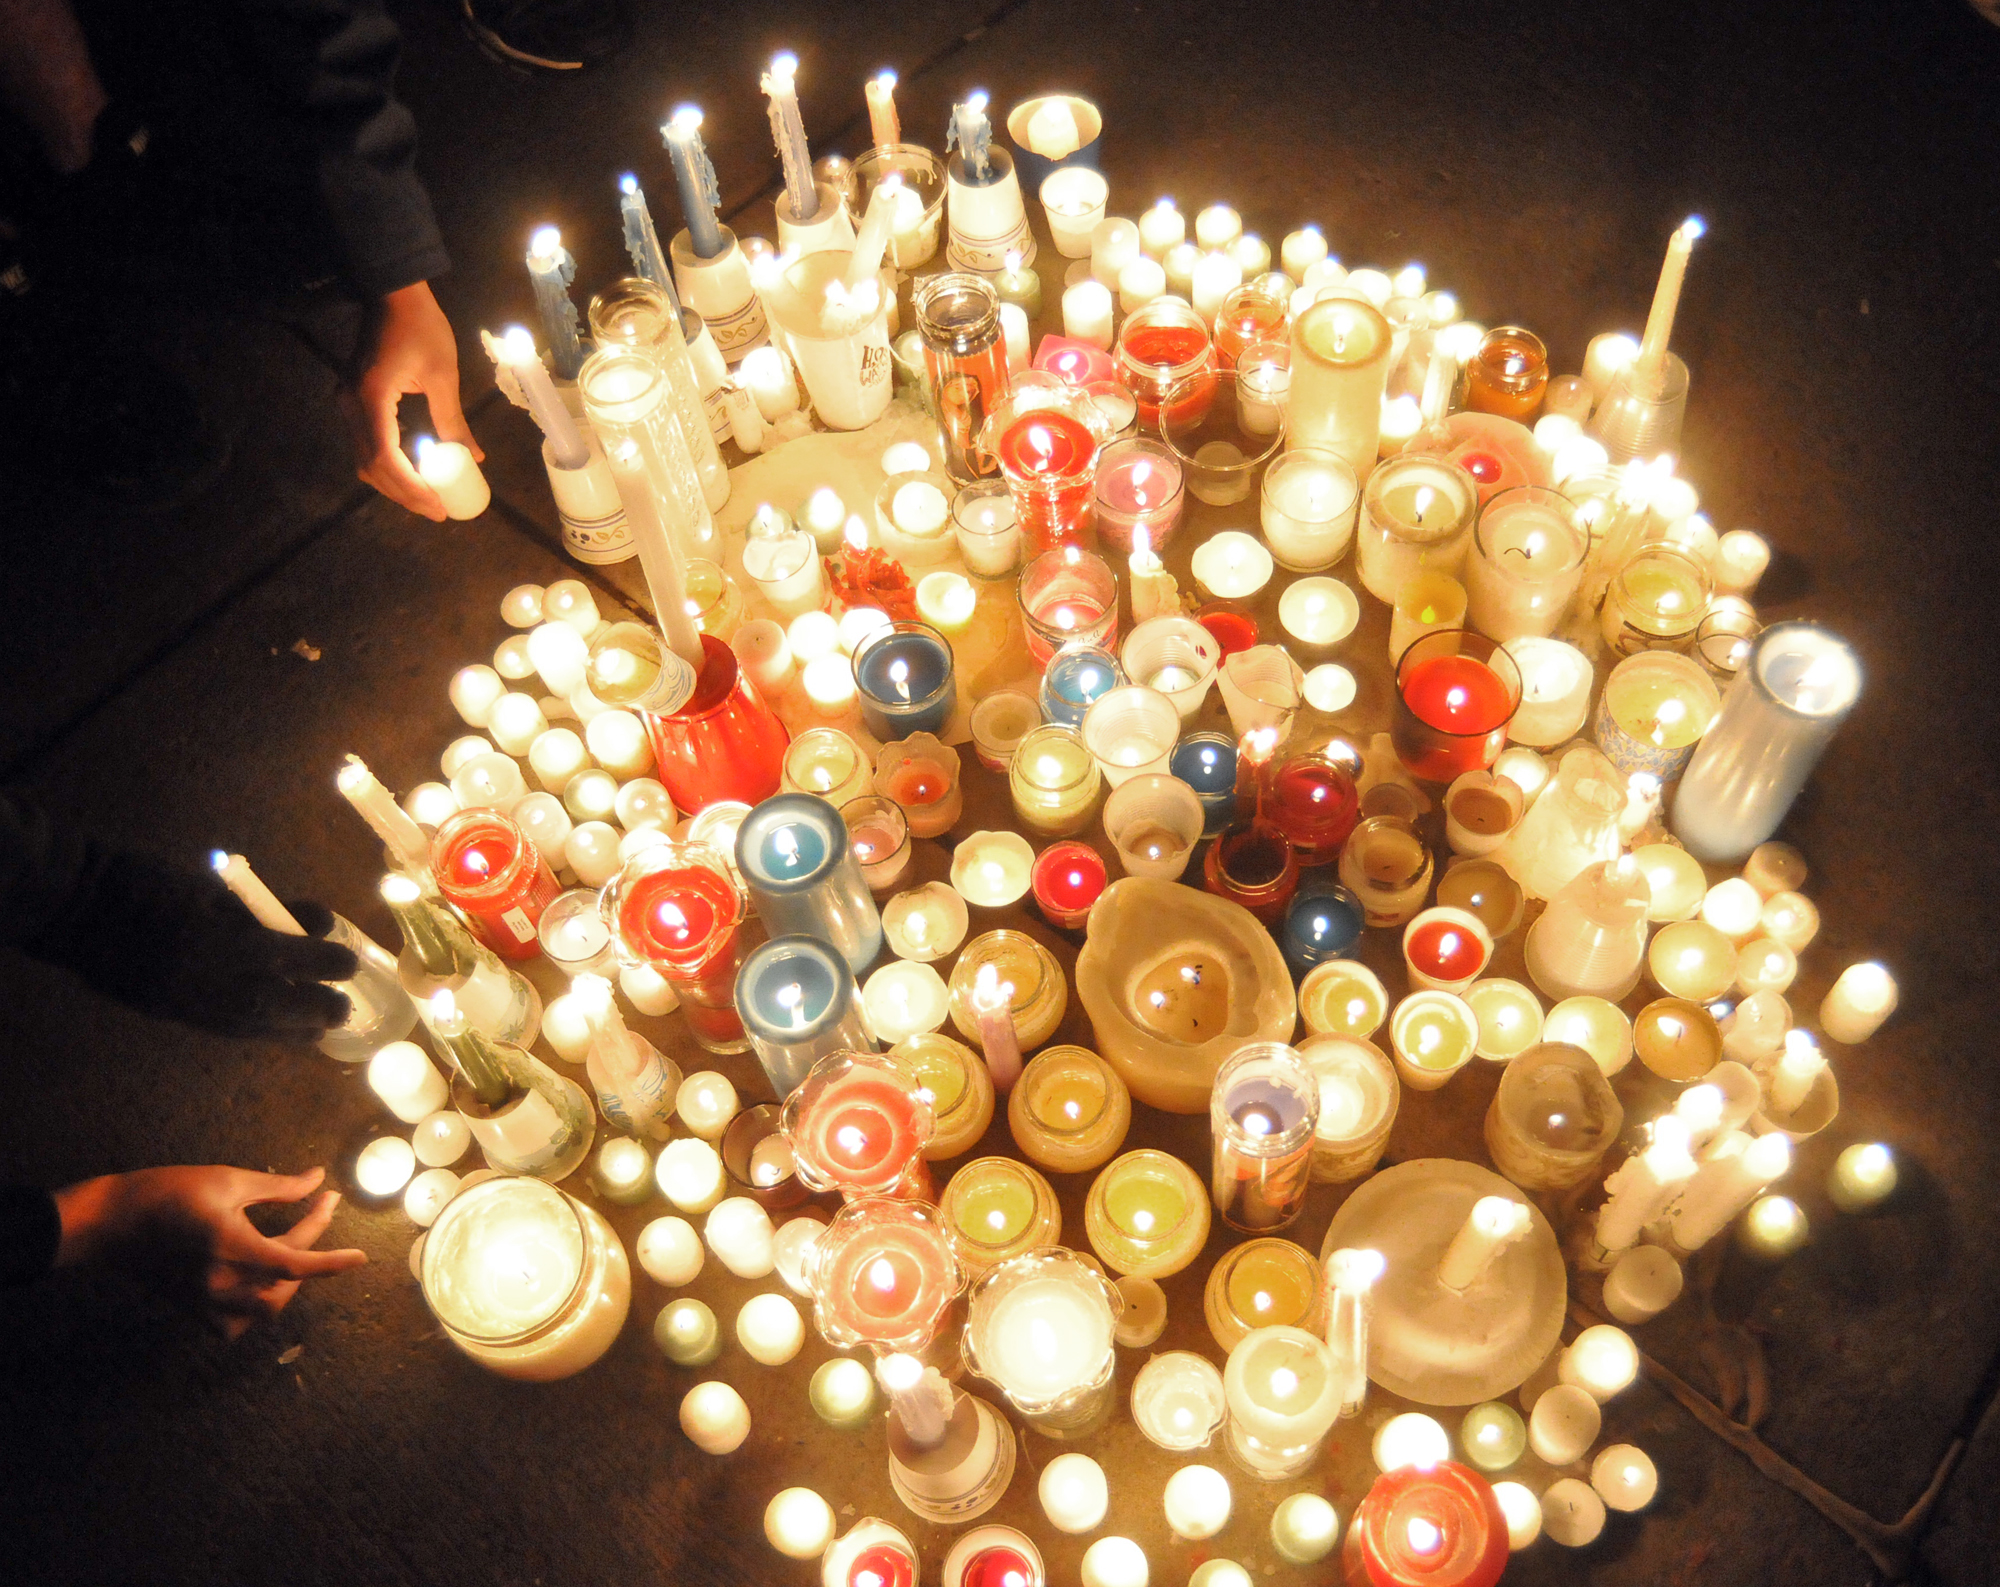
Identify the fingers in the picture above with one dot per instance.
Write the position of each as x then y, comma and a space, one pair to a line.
258, 1190
383, 463
441, 388
309, 958
303, 1234
314, 916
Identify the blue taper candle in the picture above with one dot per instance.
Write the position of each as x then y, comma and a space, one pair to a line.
642, 242
551, 269
700, 192
971, 134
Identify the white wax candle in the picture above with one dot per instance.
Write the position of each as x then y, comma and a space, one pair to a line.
715, 1418
1180, 264
1734, 908
1197, 1502
1330, 688
1741, 556
1602, 1361
647, 990
1798, 1071
1231, 565
1856, 1005
1014, 326
515, 722
1301, 250
1863, 1176
798, 1523
706, 1103
690, 1175
1252, 255
384, 1166
442, 1139
1087, 313
375, 805
767, 376
425, 1196
1073, 1493
1140, 282
917, 508
1522, 1512
1217, 227
430, 805
1572, 1513
1645, 1186
510, 658
555, 757
1642, 1283
1625, 1477
1114, 1562
1607, 357
770, 1329
560, 655
1215, 277
903, 999
1161, 229
1114, 243
1563, 1424
1411, 1439
473, 692
406, 1080
591, 850
521, 607
1494, 1223
1733, 1174
946, 601
1318, 612
1556, 680
449, 468
1304, 1528
670, 1252
1791, 918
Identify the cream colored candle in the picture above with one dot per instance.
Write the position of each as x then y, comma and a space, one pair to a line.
1433, 1035
1301, 250
1563, 1425
1343, 997
1599, 1027
904, 998
925, 923
1864, 1176
1624, 1477
1765, 965
1676, 880
1340, 368
1510, 1018
1733, 1175
1161, 229
1691, 959
991, 870
1798, 1070
1556, 680
1087, 313
1775, 868
1642, 1283
1602, 1361
1791, 918
1494, 1223
1231, 566
1054, 781
449, 468
946, 601
1734, 908
1857, 1004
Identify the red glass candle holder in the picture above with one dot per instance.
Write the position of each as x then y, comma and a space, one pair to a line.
1435, 1526
677, 908
884, 1275
1163, 344
1252, 864
1233, 625
1072, 362
859, 1127
1312, 799
490, 869
1068, 597
1247, 315
1456, 691
1068, 879
1046, 439
725, 743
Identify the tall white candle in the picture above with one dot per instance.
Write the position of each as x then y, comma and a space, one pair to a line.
1857, 1004
1645, 1186
1494, 1223
1734, 1174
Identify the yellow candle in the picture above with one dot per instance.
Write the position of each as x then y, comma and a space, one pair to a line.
1341, 997
1432, 1035
1676, 1039
1691, 959
1509, 1015
1676, 879
1069, 1111
996, 1208
1147, 1215
1659, 708
1054, 781
1261, 1284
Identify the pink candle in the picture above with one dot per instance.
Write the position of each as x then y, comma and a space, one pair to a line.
993, 1008
883, 1275
859, 1127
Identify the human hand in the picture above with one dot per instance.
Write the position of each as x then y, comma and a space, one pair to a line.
185, 1232
407, 347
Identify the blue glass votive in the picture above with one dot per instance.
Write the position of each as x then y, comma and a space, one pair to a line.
796, 998
1206, 762
1323, 923
803, 879
1076, 676
903, 674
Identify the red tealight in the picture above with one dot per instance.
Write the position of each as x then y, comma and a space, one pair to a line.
1445, 952
678, 918
998, 1567
881, 1565
887, 1284
1074, 362
1483, 466
861, 1134
1068, 879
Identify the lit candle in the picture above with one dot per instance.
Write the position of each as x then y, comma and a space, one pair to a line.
1857, 1003
695, 176
1217, 226
1510, 1018
1161, 229
550, 271
1572, 1513
842, 1393
1039, 1327
1197, 1502
1146, 1215
403, 1076
1343, 997
690, 1174
670, 1252
1445, 949
1624, 1477
1433, 1035
1864, 1176
1732, 1175
1177, 1400
1231, 566
1601, 1360
1642, 1190
904, 999
771, 1332
1114, 1562
384, 1166
1691, 959
1411, 1439
624, 1171
1069, 1110
883, 1275
1599, 1027
1283, 1398
427, 1194
788, 131
1494, 1223
860, 1126
441, 1140
1649, 364
1563, 1424
714, 1416
1073, 1493
991, 870
1493, 1435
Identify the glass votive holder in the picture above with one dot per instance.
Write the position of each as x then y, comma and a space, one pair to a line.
949, 1075
1177, 1401
1206, 762
1146, 1215
758, 1159
1121, 418
860, 1127
1047, 440
1069, 1111
1267, 1283
1249, 314
988, 527
1508, 375
905, 680
1484, 888
1446, 949
1077, 676
1154, 823
924, 923
1131, 731
714, 600
1526, 562
1057, 1376
879, 834
1655, 602
1219, 450
921, 775
991, 870
798, 1004
1073, 199
1264, 383
1068, 878
1552, 1118
1387, 865
826, 762
1343, 997
913, 236
1263, 1112
1556, 680
1068, 596
1037, 990
1433, 1036
1233, 623
1165, 347
1323, 922
1416, 513
1139, 485
883, 1274
1176, 656
1725, 636
1054, 781
1310, 796
1455, 693
995, 1209
1653, 710
574, 937
999, 723
1252, 864
1358, 1098
1309, 503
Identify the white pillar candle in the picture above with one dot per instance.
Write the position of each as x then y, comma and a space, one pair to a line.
406, 1080
1494, 1223
449, 468
515, 722
1215, 277
1162, 228
769, 1329
492, 780
1733, 1174
919, 509
798, 1523
706, 1103
425, 1196
1301, 250
1856, 1005
1625, 1477
1411, 1439
1755, 1029
1304, 1528
740, 1234
555, 757
473, 693
1797, 1072
1197, 1502
946, 601
1114, 243
1734, 908
547, 824
1231, 566
570, 601
690, 1175
430, 805
559, 654
1522, 1512
670, 1252
521, 607
1642, 1283
1180, 265
1330, 688
592, 852
1602, 1361
1556, 680
715, 1418
1115, 1562
1073, 1493
1563, 1424
442, 1139
384, 1166
1217, 226
1572, 1513
1741, 556
1087, 313
1252, 255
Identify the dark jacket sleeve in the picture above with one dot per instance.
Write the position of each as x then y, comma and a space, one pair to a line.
332, 66
30, 1232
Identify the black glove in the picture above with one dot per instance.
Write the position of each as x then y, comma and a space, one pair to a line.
178, 944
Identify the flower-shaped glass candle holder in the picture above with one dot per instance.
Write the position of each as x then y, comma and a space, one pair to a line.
883, 1274
859, 1125
1040, 1329
921, 775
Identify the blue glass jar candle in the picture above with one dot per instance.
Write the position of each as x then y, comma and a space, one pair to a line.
793, 854
1206, 762
904, 677
1263, 1114
1324, 922
796, 999
1076, 677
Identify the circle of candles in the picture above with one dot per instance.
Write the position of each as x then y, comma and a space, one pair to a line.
1146, 1214
1067, 879
1599, 1027
669, 1252
1455, 693
1510, 1018
770, 1330
995, 1208
798, 1523
1864, 1176
426, 1195
1177, 1400
1073, 1493
1144, 1318
1676, 1039
1602, 1361
1642, 1283
1114, 1562
1343, 997
441, 1139
1624, 1477
1572, 1513
1411, 1439
1774, 1227
706, 1103
1440, 1525
1069, 1110
1231, 566
842, 1393
1432, 1035
1304, 1528
1563, 1424
687, 1333
1197, 1502
991, 870
903, 999
384, 1167
1493, 1436
1522, 1512
714, 1417
690, 1175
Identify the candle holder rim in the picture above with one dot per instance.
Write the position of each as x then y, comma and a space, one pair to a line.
1462, 641
460, 1207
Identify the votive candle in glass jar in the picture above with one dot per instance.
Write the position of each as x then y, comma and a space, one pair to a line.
1426, 603
1160, 346
1552, 1118
1284, 1397
1077, 676
1248, 315
676, 908
1509, 1015
906, 681
1264, 384
879, 833
1433, 1035
1556, 681
783, 562
1323, 922
1146, 1215
1139, 485
883, 1274
1358, 1098
1054, 781
795, 859
1310, 797
1724, 637
1068, 879
921, 775
965, 362
1040, 1327
1047, 440
1068, 596
1387, 865
996, 1209
487, 868
1654, 602
1177, 1401
827, 762
949, 1075
988, 527
797, 1001
1526, 562
1206, 762
1654, 709
1508, 375
1416, 515
999, 723
859, 1125
1069, 1111
1340, 371
1456, 691
1445, 949
1253, 864
1437, 1524
1267, 1283
1263, 1112
1342, 997
1036, 989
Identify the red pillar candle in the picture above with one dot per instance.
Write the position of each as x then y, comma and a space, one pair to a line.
860, 1127
486, 866
883, 1274
725, 743
1312, 799
1456, 691
1436, 1526
676, 907
1049, 460
1068, 879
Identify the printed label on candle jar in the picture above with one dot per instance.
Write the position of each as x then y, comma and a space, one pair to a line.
516, 920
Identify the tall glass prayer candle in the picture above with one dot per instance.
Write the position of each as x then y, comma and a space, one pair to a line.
675, 907
1139, 486
1416, 516
1311, 798
1039, 1328
1776, 721
1340, 370
1054, 781
883, 1274
1068, 879
1146, 1215
1388, 866
1076, 676
1322, 922
1263, 1113
1508, 375
1283, 1397
1455, 693
1068, 596
488, 869
629, 398
1654, 709
996, 1209
1206, 762
1162, 345
1267, 1283
957, 1085
1342, 997
724, 743
859, 1125
795, 858
965, 358
1047, 451
798, 1004
1253, 864
1069, 1110
643, 314
1526, 562
1426, 1526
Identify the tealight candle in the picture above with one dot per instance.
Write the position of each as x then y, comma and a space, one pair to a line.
919, 776
1775, 868
623, 1172
1598, 1026
1304, 1528
1197, 1502
426, 1195
1602, 1361
1572, 1513
706, 1103
441, 1139
925, 923
1675, 879
1087, 311
1691, 959
1318, 612
1792, 919
670, 1252
1114, 1562
714, 1417
739, 1232
1857, 1003
1677, 1039
842, 1393
687, 1333
1556, 680
798, 1523
1734, 908
991, 870
1493, 1436
690, 1174
1433, 1035
771, 1332
1074, 1493
1411, 1439
384, 1166
1231, 566
474, 692
1510, 1018
1642, 1283
1563, 1425
1067, 879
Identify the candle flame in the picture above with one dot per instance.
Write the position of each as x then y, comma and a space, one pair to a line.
882, 1274
885, 79
1284, 1383
784, 67
546, 243
1425, 496
978, 101
1424, 1536
686, 119
1693, 228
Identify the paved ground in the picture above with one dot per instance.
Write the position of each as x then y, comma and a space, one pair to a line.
1842, 327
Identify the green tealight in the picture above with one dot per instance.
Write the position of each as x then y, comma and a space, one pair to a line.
843, 1393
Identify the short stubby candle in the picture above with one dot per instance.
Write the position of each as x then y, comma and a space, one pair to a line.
1139, 485
1343, 997
677, 917
1445, 949
1455, 693
1068, 879
1067, 596
905, 678
1321, 924
1162, 345
860, 1127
